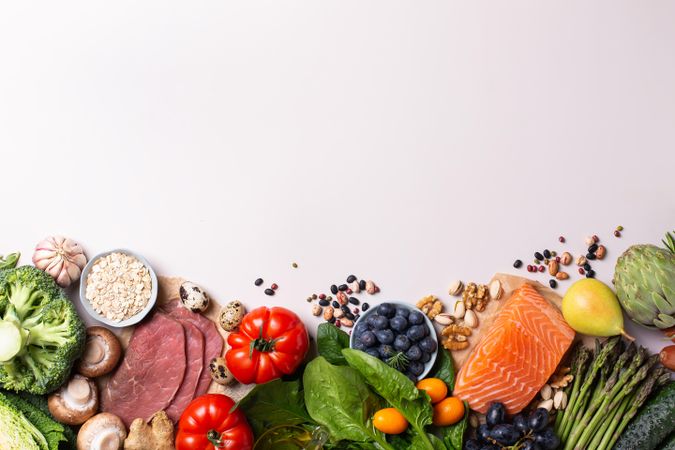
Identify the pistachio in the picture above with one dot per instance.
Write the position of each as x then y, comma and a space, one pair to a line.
566, 259
459, 310
316, 310
444, 319
560, 400
601, 252
546, 404
562, 276
581, 260
470, 319
495, 289
456, 288
553, 267
473, 421
546, 392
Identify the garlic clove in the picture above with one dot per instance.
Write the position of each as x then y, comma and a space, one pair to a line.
73, 271
59, 240
54, 269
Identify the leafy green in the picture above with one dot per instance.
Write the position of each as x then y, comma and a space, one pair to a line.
398, 390
444, 368
274, 404
17, 430
53, 432
9, 261
337, 397
330, 342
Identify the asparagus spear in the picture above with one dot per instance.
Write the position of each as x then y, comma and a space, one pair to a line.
576, 412
578, 368
609, 423
613, 385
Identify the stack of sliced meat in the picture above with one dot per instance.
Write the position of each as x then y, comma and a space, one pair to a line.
165, 365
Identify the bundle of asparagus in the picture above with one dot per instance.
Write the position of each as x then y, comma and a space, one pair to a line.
609, 386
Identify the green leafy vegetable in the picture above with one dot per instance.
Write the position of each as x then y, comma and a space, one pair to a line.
444, 368
330, 341
17, 430
9, 261
53, 432
398, 390
338, 398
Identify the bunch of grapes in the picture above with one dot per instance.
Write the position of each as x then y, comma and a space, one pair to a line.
523, 433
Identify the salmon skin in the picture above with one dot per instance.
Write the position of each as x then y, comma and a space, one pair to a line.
517, 355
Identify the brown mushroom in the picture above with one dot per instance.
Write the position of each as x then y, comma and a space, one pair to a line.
101, 353
74, 402
104, 431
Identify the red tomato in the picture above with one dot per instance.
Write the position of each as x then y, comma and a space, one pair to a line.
208, 424
271, 342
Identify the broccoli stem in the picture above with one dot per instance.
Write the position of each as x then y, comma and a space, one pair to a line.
12, 340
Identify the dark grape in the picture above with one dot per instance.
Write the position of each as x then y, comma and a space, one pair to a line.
428, 344
472, 444
387, 310
384, 336
398, 323
367, 338
490, 447
547, 439
402, 343
483, 432
415, 317
520, 422
538, 419
505, 434
530, 445
495, 414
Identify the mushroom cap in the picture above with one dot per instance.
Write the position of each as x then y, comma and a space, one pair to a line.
101, 353
104, 431
74, 402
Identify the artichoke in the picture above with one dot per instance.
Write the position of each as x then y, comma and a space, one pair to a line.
644, 278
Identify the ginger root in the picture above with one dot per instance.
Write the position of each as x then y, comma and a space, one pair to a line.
158, 435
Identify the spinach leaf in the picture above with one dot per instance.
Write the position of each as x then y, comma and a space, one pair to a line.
9, 261
398, 390
330, 341
337, 397
274, 404
444, 368
453, 435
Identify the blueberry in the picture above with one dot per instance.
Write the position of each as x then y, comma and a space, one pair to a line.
368, 338
384, 336
472, 444
547, 439
378, 322
417, 332
426, 357
504, 433
415, 317
358, 345
520, 422
414, 353
495, 414
411, 376
538, 419
428, 344
398, 323
416, 368
483, 432
402, 343
373, 352
403, 312
387, 310
386, 351
360, 328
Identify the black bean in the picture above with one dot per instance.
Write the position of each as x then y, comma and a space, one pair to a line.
335, 304
553, 284
269, 291
590, 274
590, 256
324, 302
362, 285
587, 266
593, 248
333, 289
354, 300
365, 307
331, 320
356, 317
343, 287
538, 256
517, 263
345, 309
258, 282
351, 278
349, 315
547, 253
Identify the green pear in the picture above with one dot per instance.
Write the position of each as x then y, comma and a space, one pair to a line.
591, 307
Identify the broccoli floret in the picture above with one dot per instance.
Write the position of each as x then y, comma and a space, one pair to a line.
41, 334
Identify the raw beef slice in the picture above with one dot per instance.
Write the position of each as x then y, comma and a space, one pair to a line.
151, 372
213, 341
195, 364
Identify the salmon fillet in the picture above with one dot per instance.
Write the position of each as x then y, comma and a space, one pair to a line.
517, 355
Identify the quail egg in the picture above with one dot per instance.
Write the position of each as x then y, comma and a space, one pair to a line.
219, 371
193, 297
231, 315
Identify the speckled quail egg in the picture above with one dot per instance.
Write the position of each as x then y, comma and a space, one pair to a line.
219, 371
231, 315
193, 297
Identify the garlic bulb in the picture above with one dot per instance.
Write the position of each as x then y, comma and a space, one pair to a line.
60, 257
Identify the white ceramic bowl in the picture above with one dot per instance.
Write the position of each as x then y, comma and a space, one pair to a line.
132, 320
409, 307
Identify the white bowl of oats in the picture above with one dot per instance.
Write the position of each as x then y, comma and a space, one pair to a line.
118, 288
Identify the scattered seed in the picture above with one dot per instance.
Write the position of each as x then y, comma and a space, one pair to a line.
517, 263
338, 323
331, 320
561, 276
547, 253
546, 261
538, 256
617, 233
322, 296
590, 256
258, 282
349, 315
590, 274
592, 248
444, 319
581, 271
371, 287
329, 297
581, 260
589, 240
365, 307
317, 310
619, 228
495, 289
596, 239
362, 285
561, 239
333, 289
269, 291
546, 404
354, 300
553, 284
351, 278
275, 286
324, 302
356, 310
587, 266
356, 317
546, 392
559, 400
349, 291
541, 268
553, 253
343, 287
456, 288
471, 319
601, 252
557, 259
566, 258
309, 299
294, 265
335, 304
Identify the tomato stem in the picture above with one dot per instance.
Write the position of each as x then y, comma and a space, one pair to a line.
214, 437
261, 344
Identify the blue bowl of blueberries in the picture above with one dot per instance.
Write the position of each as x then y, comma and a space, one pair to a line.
400, 335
